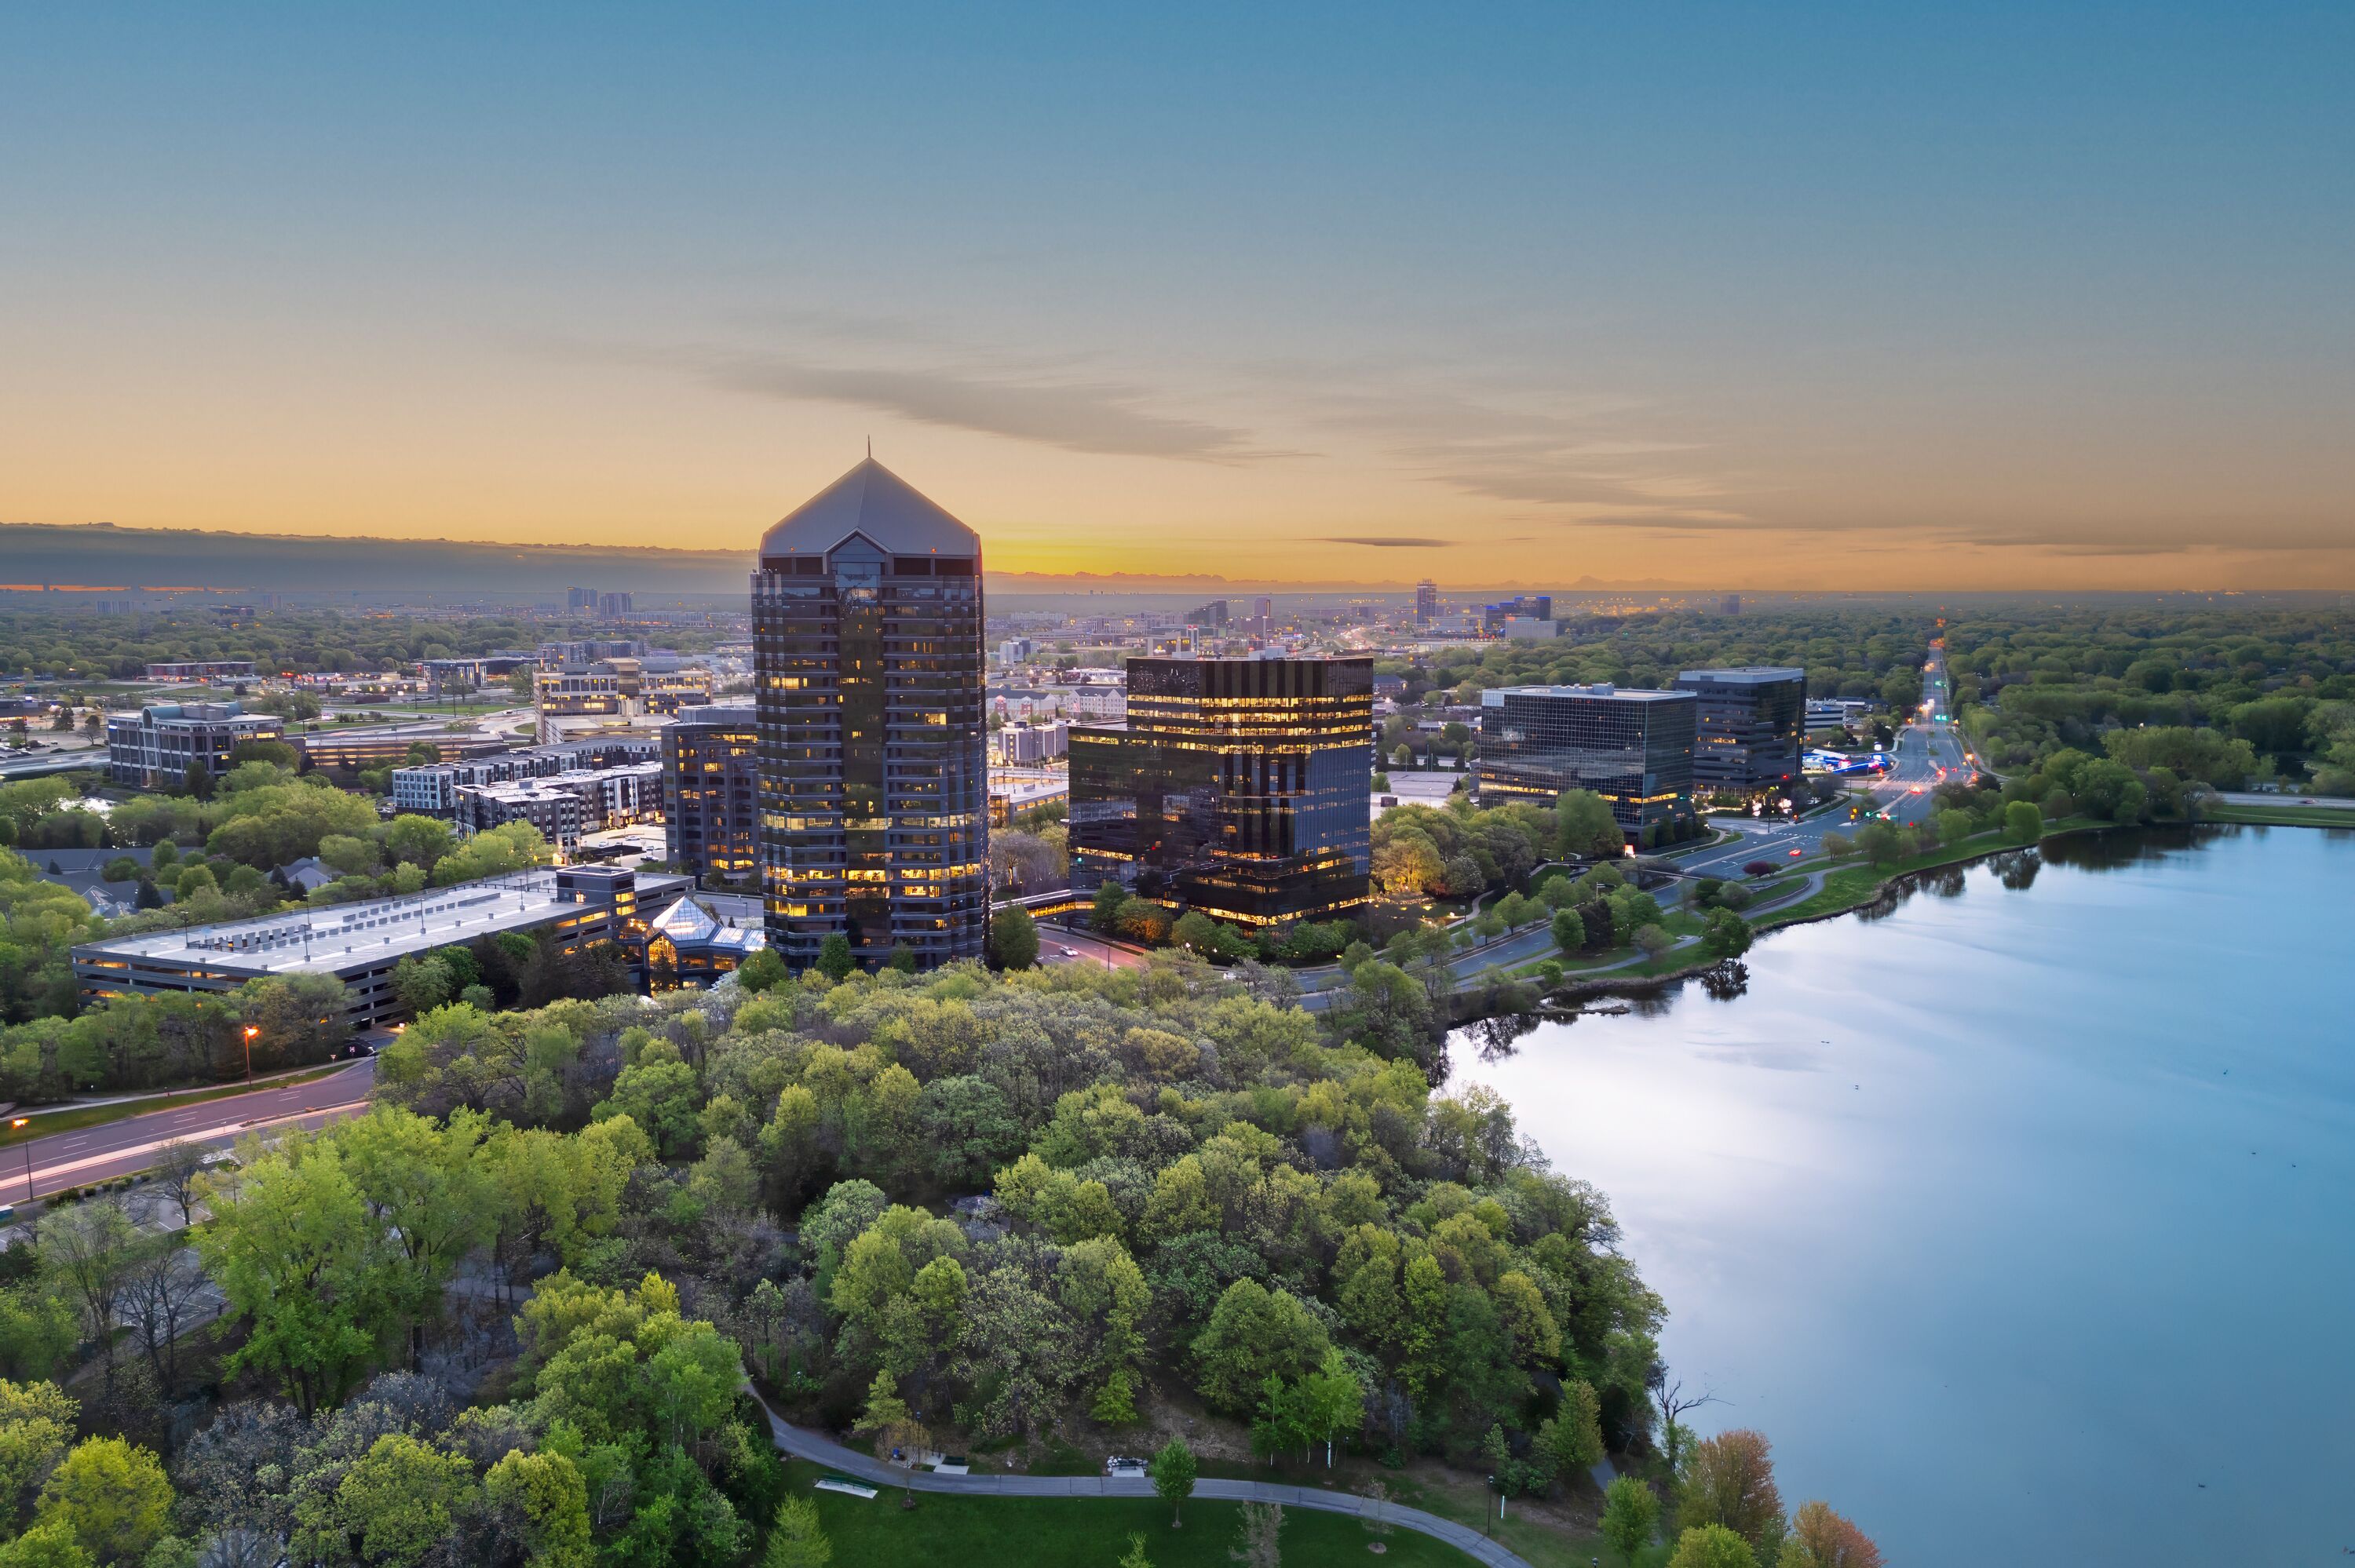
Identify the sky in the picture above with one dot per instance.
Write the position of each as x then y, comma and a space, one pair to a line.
1831, 296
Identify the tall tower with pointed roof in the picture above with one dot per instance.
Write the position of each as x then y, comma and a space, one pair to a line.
866, 626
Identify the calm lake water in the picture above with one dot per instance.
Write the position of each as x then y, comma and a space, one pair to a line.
2020, 1218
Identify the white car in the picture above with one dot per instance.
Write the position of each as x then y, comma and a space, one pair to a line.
1071, 952
1121, 1469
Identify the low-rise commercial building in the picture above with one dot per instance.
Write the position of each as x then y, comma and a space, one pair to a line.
203, 669
1635, 748
160, 744
360, 943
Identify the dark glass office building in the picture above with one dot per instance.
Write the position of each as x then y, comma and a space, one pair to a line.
1634, 748
1748, 728
712, 793
866, 620
1239, 789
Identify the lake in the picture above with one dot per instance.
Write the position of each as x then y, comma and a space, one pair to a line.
2021, 1217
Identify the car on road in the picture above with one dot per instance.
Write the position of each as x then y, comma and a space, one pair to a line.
1119, 1467
1071, 952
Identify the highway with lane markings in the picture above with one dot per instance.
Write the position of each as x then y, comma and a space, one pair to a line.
114, 1149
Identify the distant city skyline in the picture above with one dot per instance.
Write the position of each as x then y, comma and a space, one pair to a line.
2010, 297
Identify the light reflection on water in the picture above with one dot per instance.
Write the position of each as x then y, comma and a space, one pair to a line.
2017, 1213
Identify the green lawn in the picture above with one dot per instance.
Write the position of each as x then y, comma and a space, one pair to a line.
1080, 1532
2342, 816
73, 1119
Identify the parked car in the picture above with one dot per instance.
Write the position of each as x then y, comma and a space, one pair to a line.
1121, 1467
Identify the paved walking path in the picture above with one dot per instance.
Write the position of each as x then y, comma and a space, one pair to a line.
805, 1445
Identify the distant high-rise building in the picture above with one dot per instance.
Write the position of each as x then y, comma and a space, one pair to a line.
581, 598
612, 606
1262, 616
1635, 748
1749, 726
866, 626
1237, 788
1208, 615
1426, 602
1733, 605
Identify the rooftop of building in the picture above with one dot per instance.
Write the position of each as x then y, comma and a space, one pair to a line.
1745, 674
1601, 689
871, 500
339, 935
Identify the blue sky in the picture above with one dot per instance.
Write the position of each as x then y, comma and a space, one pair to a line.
1819, 296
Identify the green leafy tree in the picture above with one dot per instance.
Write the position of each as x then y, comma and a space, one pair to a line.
48, 1544
795, 1539
2022, 822
1174, 1470
1631, 1516
544, 1503
1573, 1435
1712, 1546
1725, 935
36, 1423
394, 1505
1012, 938
764, 970
113, 1494
1254, 1333
302, 1262
834, 959
1586, 827
1729, 1480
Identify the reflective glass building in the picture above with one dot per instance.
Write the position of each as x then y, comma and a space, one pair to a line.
866, 618
1635, 748
711, 777
1239, 789
1748, 728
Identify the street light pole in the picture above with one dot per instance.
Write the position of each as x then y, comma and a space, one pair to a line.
250, 1030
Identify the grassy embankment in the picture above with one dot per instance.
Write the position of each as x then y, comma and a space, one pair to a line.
73, 1119
2291, 816
1855, 884
944, 1532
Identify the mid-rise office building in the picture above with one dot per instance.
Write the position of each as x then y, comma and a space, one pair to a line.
1635, 748
581, 598
563, 806
712, 793
1426, 602
157, 747
867, 631
612, 606
1522, 606
1748, 728
1239, 788
1213, 614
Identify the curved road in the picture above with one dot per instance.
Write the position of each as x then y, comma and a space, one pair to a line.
119, 1148
805, 1445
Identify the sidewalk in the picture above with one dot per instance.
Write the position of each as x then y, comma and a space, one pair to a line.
803, 1445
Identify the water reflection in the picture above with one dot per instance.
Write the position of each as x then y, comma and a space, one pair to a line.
1727, 981
1492, 1038
2056, 1205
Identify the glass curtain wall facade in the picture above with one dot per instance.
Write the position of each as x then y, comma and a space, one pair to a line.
873, 770
1239, 789
711, 780
1634, 748
1748, 728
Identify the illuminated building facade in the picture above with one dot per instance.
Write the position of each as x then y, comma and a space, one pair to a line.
867, 625
711, 785
1634, 748
1239, 788
1748, 726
